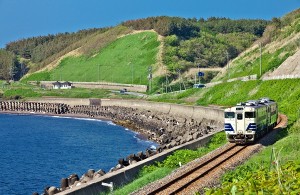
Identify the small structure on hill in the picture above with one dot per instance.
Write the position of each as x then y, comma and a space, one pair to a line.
64, 85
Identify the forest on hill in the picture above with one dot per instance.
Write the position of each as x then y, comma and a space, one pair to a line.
188, 42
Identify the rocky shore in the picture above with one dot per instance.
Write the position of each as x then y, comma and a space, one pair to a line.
168, 131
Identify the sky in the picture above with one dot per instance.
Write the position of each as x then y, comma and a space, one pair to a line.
27, 18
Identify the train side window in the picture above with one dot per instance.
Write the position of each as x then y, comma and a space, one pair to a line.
249, 114
239, 116
229, 115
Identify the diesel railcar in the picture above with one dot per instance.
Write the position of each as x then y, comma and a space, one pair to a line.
248, 121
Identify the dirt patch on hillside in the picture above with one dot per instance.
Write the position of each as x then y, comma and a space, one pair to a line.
161, 69
291, 66
55, 63
272, 47
135, 32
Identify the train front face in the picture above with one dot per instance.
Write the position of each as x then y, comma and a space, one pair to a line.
240, 124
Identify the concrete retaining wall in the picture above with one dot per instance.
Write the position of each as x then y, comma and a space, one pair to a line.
196, 112
128, 173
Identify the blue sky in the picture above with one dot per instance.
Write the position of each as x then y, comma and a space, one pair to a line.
28, 18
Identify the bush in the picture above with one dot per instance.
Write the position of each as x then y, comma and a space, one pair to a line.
261, 181
40, 76
20, 93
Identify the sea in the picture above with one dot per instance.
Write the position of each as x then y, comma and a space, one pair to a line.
38, 151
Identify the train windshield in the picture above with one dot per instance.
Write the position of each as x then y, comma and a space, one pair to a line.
239, 116
229, 115
249, 114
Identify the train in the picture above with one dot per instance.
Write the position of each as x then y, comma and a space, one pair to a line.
248, 121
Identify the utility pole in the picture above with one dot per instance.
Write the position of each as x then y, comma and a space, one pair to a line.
178, 70
227, 55
166, 80
182, 81
150, 78
98, 72
260, 60
166, 83
131, 73
198, 72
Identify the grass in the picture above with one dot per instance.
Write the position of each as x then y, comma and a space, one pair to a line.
275, 170
22, 90
39, 76
176, 97
125, 60
142, 181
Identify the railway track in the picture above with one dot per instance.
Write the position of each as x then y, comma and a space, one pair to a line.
181, 183
206, 171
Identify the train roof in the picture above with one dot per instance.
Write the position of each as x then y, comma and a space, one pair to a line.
255, 103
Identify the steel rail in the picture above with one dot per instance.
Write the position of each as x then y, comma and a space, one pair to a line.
193, 170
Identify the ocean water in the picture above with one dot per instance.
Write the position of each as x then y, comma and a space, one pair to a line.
37, 151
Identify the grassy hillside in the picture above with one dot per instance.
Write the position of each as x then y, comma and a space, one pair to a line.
125, 60
280, 40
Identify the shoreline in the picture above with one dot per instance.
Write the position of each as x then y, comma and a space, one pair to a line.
164, 129
133, 128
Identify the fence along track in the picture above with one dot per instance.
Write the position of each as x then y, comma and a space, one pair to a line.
178, 184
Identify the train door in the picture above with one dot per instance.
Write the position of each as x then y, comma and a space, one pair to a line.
268, 116
240, 123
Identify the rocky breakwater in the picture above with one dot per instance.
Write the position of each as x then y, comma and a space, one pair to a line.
166, 130
37, 107
74, 180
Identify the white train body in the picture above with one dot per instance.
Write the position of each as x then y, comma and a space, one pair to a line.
246, 122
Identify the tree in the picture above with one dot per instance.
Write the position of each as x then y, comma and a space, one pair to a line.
276, 22
8, 64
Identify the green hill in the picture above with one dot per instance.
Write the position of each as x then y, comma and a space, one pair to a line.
124, 60
188, 43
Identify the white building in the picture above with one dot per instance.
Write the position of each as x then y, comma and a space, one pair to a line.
64, 85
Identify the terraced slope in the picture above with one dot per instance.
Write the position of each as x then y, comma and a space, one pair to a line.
290, 67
